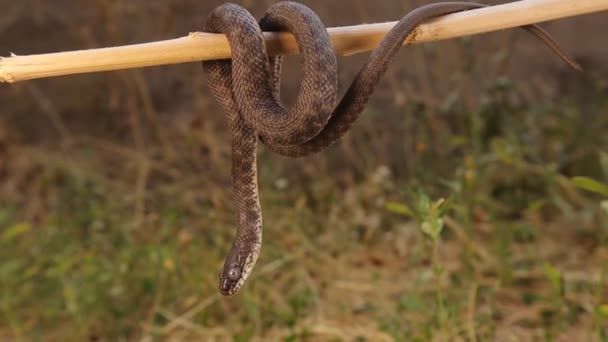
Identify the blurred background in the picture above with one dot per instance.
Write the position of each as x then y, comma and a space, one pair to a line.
468, 202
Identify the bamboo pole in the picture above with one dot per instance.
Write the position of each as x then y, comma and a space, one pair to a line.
347, 40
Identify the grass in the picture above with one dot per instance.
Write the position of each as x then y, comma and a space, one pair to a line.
498, 242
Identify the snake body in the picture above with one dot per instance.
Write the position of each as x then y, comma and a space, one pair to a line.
247, 88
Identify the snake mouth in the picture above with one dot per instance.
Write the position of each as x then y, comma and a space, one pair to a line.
227, 288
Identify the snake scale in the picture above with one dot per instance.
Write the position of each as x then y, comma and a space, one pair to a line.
247, 88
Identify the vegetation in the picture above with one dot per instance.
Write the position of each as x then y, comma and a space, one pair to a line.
442, 216
496, 240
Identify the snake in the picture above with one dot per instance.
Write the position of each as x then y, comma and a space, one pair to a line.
246, 86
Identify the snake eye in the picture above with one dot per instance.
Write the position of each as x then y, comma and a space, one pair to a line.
234, 273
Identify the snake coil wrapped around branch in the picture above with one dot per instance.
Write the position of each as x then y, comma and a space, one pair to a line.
247, 88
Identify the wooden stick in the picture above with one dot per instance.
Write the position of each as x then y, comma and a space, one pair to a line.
347, 40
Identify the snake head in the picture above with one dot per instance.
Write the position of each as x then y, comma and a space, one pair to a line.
235, 271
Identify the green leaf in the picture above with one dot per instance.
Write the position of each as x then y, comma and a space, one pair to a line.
458, 140
536, 205
427, 228
14, 231
423, 204
590, 185
399, 208
556, 279
602, 311
440, 207
432, 228
552, 273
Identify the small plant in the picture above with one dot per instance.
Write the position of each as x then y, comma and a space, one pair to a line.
598, 187
429, 215
593, 185
553, 316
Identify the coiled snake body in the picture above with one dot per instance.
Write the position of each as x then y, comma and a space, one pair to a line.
247, 87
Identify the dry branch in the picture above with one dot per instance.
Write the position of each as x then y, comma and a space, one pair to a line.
347, 40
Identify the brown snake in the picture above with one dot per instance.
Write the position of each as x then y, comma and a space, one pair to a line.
247, 87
